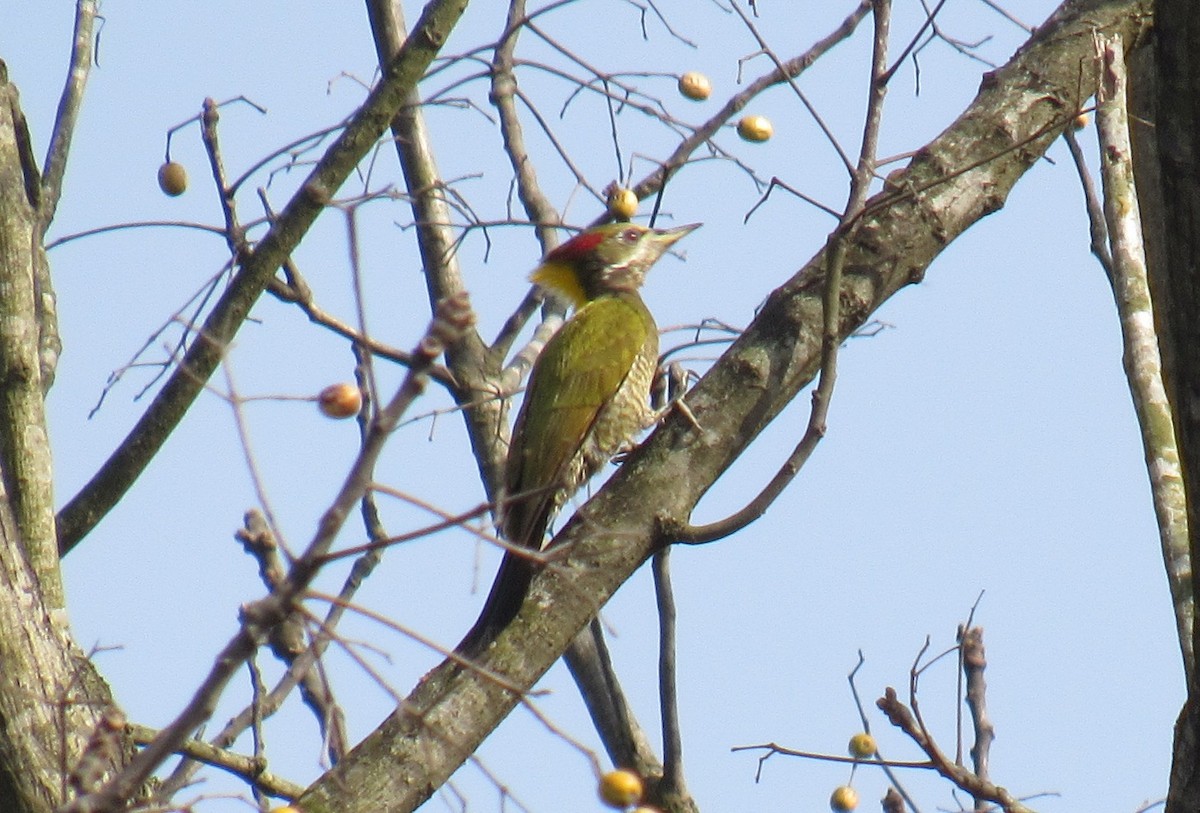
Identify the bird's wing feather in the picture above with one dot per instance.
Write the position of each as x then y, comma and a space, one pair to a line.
579, 371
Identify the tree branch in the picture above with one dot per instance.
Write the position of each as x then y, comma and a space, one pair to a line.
251, 769
55, 166
26, 471
1143, 363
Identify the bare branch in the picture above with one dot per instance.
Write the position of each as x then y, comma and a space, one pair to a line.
235, 234
1097, 230
791, 69
261, 617
831, 319
624, 739
251, 769
473, 367
977, 786
504, 89
124, 466
782, 71
55, 166
974, 662
673, 776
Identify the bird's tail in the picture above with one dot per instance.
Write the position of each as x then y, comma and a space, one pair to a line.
525, 522
502, 605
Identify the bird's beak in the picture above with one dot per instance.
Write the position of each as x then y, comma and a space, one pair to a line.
669, 237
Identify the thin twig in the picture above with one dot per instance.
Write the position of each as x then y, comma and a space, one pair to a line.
673, 774
1097, 230
791, 80
775, 748
887, 766
136, 224
916, 38
900, 716
831, 329
260, 617
791, 69
173, 401
235, 234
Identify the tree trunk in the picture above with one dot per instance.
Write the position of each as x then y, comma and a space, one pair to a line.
1174, 247
51, 697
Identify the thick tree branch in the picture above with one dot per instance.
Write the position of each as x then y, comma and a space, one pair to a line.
51, 697
69, 103
1174, 249
26, 471
1143, 364
963, 175
175, 398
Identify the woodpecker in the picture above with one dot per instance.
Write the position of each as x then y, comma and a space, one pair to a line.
587, 397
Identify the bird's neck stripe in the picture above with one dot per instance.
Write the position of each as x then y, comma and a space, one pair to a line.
560, 277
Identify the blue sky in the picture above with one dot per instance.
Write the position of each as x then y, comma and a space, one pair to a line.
985, 441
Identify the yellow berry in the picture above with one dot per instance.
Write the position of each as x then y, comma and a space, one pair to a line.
172, 178
622, 203
620, 789
1080, 122
755, 128
646, 809
339, 401
287, 809
695, 86
862, 745
844, 799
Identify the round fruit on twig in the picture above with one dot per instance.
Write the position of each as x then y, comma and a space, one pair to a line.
844, 799
339, 401
695, 86
862, 745
622, 202
620, 789
172, 179
755, 128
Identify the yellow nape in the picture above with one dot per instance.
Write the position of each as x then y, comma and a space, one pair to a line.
561, 278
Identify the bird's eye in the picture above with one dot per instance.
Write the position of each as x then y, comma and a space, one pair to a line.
630, 236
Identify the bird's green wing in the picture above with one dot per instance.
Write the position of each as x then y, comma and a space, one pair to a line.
581, 368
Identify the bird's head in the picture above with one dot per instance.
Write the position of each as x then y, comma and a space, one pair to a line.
604, 260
